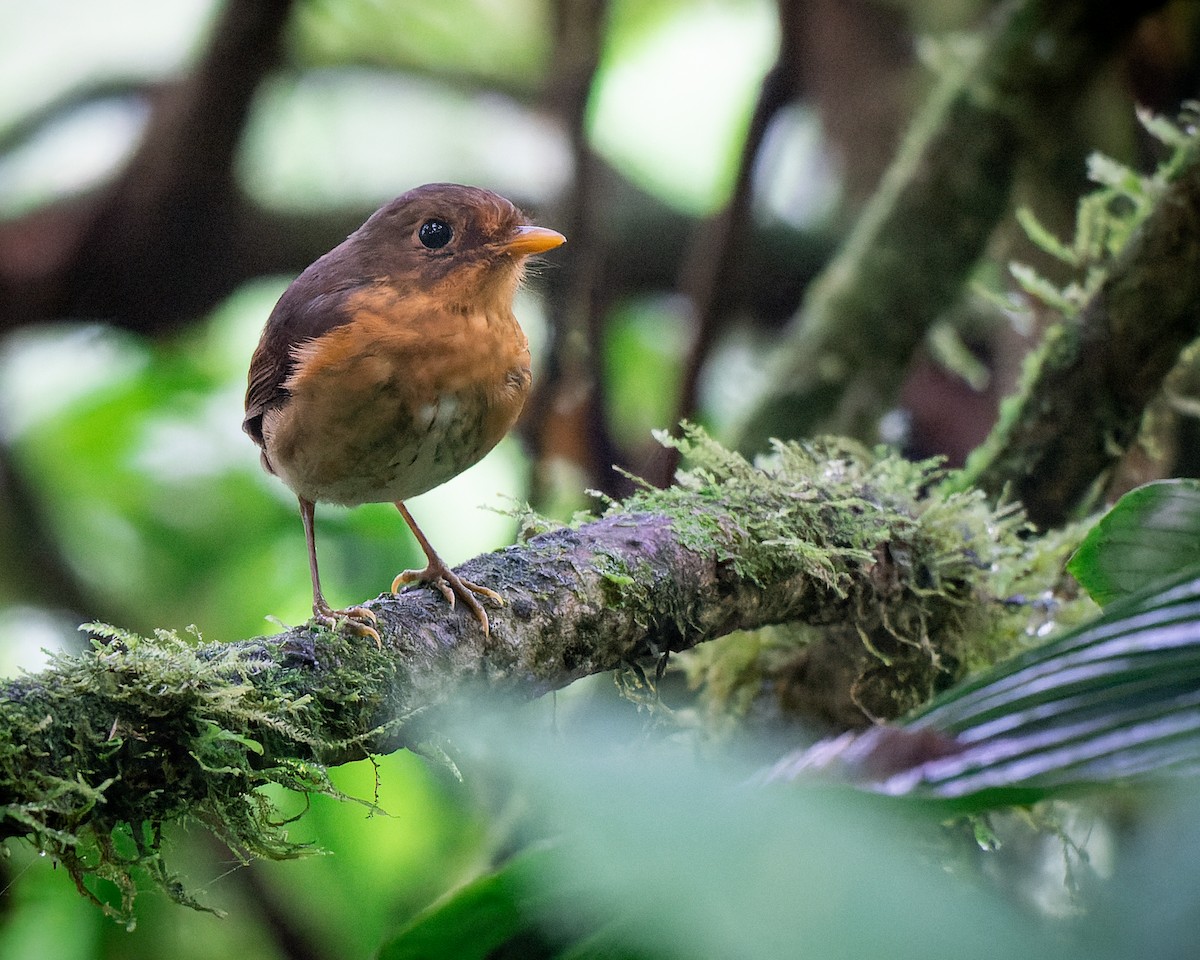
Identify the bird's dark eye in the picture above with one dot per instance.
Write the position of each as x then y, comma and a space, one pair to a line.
435, 234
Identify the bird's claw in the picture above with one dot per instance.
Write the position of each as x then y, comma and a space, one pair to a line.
446, 592
452, 586
356, 620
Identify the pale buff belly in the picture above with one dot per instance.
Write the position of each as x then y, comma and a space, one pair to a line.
380, 412
381, 447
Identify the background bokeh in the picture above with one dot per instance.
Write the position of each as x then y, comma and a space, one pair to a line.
128, 493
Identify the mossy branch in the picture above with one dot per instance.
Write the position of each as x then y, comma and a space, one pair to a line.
925, 228
1087, 387
101, 750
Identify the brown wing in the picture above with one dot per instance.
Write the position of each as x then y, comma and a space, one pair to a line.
312, 306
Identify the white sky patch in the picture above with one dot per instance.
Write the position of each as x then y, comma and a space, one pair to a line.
44, 370
672, 109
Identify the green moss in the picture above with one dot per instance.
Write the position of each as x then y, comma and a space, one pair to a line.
1106, 220
932, 582
626, 585
800, 507
1107, 217
101, 818
914, 582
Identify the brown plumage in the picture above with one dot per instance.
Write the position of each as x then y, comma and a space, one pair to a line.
394, 362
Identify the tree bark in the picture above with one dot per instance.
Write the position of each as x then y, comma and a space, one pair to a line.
137, 733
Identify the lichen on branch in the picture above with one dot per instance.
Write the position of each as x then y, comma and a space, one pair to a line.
845, 354
1125, 323
101, 750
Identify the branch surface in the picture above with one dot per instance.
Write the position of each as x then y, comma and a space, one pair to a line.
101, 749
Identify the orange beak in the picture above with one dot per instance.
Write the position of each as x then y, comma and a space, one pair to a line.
528, 240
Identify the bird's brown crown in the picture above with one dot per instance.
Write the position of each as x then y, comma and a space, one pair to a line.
451, 242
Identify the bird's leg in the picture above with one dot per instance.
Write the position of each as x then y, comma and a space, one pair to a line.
358, 620
441, 576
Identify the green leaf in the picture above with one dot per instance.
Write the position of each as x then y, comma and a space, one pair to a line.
1150, 534
481, 918
1114, 701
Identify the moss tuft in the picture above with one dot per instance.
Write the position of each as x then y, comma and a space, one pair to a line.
217, 724
933, 582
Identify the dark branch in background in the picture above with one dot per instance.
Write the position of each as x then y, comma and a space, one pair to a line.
34, 567
926, 227
174, 234
717, 256
151, 248
173, 208
1098, 372
567, 418
855, 63
34, 275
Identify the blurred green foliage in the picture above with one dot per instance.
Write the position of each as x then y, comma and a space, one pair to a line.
644, 342
657, 854
155, 500
441, 39
160, 510
675, 90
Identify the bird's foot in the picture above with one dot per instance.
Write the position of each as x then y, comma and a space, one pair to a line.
356, 620
451, 585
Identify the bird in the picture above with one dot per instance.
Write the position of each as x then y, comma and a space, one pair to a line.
394, 362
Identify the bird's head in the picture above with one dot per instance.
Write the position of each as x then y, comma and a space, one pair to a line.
464, 245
